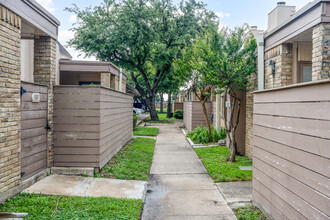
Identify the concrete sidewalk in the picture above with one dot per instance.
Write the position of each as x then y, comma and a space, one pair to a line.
179, 186
88, 186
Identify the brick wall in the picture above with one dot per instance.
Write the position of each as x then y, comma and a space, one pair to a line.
282, 56
10, 140
249, 115
114, 82
45, 73
321, 52
105, 79
124, 86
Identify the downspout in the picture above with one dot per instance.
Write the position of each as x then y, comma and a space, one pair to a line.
261, 61
121, 80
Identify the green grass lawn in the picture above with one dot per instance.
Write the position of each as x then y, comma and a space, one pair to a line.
42, 207
164, 110
145, 131
215, 161
250, 212
162, 119
132, 162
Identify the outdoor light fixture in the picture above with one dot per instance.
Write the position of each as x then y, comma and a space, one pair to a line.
272, 63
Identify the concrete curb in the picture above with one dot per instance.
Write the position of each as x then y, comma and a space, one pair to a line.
193, 145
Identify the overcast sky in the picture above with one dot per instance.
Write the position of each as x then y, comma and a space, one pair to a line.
230, 12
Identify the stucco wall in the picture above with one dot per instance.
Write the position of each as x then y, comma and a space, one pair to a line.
27, 53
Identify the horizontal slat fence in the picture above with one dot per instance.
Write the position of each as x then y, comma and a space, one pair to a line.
193, 115
33, 132
291, 152
177, 106
90, 125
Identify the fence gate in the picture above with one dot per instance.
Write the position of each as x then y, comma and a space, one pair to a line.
34, 107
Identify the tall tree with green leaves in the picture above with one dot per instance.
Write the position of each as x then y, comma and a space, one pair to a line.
141, 36
224, 59
170, 85
192, 77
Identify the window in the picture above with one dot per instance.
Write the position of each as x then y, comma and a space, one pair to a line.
89, 83
305, 72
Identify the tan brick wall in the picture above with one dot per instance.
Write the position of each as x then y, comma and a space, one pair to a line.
45, 73
114, 82
249, 115
282, 56
321, 52
124, 86
10, 139
105, 79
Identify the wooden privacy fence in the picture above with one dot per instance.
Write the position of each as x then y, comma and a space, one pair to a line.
177, 106
33, 129
193, 115
91, 124
291, 152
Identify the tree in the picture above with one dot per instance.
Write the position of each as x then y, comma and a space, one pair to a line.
170, 84
141, 36
161, 102
194, 78
225, 59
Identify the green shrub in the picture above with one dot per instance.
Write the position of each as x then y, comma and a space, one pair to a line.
135, 118
200, 135
178, 114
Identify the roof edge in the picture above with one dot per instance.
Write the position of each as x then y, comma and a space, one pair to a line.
304, 10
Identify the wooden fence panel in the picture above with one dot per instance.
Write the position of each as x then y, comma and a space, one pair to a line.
193, 115
91, 124
116, 127
76, 126
291, 152
33, 132
187, 115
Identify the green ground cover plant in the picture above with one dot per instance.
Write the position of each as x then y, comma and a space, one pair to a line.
42, 207
178, 114
145, 131
132, 162
135, 119
162, 119
215, 162
200, 135
164, 110
250, 212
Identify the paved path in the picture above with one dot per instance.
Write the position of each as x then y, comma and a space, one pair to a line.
88, 186
180, 187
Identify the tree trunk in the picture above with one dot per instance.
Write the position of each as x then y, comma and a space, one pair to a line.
169, 106
206, 117
202, 101
152, 108
161, 103
231, 126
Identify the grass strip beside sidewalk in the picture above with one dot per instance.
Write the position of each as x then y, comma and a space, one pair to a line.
162, 119
42, 207
215, 162
132, 162
250, 212
145, 131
